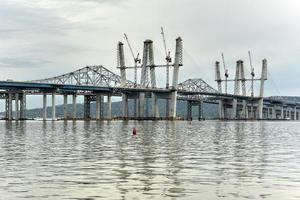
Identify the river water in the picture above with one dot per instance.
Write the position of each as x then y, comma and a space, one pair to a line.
165, 160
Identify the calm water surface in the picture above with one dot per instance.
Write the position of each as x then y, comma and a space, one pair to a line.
166, 160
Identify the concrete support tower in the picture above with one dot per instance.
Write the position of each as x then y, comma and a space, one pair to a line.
219, 82
262, 84
121, 65
177, 63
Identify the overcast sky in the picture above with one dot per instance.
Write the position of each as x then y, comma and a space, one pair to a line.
43, 38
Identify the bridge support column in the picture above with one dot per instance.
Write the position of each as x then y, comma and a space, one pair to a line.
245, 110
234, 109
44, 106
167, 108
53, 107
173, 105
141, 105
109, 106
200, 111
10, 106
65, 106
177, 63
274, 112
270, 113
98, 106
295, 113
87, 107
221, 110
6, 106
74, 106
23, 106
261, 93
260, 108
155, 111
135, 104
101, 107
17, 111
189, 111
125, 106
282, 114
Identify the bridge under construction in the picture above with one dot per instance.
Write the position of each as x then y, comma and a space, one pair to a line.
98, 84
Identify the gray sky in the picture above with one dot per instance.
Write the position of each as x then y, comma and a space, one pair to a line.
43, 38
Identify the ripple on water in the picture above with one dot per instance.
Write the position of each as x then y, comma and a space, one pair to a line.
165, 160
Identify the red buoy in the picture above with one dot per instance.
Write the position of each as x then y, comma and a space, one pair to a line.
134, 131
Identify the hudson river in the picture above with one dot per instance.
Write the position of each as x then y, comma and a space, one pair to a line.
165, 160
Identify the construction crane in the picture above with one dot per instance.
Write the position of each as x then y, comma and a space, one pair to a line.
136, 59
225, 73
168, 61
252, 82
168, 58
252, 74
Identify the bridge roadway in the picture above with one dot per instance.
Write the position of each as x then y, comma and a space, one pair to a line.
273, 108
115, 91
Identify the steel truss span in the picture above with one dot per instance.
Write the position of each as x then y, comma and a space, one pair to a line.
196, 85
96, 75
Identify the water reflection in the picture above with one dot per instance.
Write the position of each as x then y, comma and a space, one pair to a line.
165, 160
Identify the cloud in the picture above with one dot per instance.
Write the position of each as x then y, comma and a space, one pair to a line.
22, 62
74, 33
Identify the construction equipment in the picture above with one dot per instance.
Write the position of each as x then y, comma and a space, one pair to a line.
225, 72
168, 61
252, 74
252, 82
168, 58
136, 59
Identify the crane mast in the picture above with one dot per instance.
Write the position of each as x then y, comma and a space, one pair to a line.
168, 58
225, 73
135, 58
252, 74
252, 83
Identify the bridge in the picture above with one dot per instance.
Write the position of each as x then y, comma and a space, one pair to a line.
97, 83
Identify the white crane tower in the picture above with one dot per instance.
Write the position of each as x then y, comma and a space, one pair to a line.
136, 59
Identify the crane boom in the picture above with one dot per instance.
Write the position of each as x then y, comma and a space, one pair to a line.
225, 72
250, 60
128, 43
252, 82
135, 59
168, 57
223, 62
164, 40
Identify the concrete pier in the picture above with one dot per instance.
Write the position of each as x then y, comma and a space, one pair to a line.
125, 106
200, 111
44, 106
109, 114
17, 111
65, 106
155, 111
234, 109
87, 107
141, 105
23, 106
9, 106
98, 106
74, 106
53, 107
